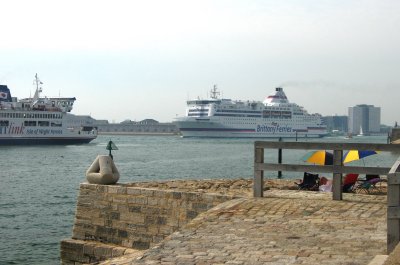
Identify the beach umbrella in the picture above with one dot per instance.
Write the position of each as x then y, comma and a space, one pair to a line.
320, 157
353, 155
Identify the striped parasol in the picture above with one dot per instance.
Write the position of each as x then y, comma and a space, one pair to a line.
320, 157
353, 155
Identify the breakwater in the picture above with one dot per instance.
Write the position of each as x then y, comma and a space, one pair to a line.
113, 220
134, 224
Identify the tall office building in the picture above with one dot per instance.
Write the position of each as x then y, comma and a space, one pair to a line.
339, 123
364, 119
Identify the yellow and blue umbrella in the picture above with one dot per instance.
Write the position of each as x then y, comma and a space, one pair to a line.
353, 155
320, 157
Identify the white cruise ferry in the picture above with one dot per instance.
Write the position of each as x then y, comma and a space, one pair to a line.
274, 117
40, 120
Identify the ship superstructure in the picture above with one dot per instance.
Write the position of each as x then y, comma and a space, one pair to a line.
273, 117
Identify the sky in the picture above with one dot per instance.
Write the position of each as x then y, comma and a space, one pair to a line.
128, 59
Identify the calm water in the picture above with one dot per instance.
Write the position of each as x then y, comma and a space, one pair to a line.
39, 185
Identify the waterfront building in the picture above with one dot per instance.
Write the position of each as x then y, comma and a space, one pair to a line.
364, 119
146, 126
336, 123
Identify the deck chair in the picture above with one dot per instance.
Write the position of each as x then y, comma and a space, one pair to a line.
349, 182
369, 184
310, 182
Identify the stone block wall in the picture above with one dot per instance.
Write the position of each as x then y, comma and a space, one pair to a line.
126, 217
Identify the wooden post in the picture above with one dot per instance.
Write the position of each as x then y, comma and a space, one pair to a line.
393, 211
337, 177
280, 158
393, 208
258, 185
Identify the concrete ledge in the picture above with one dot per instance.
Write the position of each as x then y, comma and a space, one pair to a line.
85, 252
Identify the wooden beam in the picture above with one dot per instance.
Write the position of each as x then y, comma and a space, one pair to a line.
337, 175
258, 183
393, 212
396, 167
394, 179
327, 146
393, 207
325, 169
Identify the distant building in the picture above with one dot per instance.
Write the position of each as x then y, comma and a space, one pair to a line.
364, 119
336, 123
80, 120
146, 126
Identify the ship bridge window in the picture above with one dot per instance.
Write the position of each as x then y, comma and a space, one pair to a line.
4, 123
266, 114
43, 123
198, 110
201, 102
30, 123
55, 124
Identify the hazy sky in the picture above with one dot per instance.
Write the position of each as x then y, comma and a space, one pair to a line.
143, 59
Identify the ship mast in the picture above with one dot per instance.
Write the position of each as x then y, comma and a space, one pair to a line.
214, 93
37, 82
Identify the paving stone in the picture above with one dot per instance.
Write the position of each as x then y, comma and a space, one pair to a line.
285, 227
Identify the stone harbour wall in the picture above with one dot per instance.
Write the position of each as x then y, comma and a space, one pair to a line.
114, 220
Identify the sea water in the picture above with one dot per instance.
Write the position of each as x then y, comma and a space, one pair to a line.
39, 184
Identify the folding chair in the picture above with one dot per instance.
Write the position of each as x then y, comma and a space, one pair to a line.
349, 182
310, 182
369, 184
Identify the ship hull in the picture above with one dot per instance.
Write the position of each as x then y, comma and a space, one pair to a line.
16, 133
44, 141
190, 127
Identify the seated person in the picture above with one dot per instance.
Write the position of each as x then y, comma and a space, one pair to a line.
325, 184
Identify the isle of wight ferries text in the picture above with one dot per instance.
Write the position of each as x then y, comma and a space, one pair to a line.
20, 130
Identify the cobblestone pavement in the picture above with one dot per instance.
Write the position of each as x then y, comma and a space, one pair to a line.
286, 227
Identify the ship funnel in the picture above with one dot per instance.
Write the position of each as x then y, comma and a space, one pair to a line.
277, 97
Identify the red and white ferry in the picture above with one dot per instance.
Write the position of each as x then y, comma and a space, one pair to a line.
40, 120
274, 117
